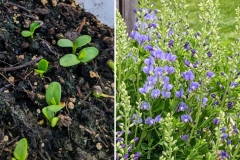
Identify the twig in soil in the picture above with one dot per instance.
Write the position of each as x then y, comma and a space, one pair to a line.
79, 92
41, 155
13, 4
80, 27
105, 107
7, 79
20, 66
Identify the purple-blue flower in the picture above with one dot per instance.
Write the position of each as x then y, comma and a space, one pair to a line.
230, 105
136, 139
149, 61
148, 69
119, 139
204, 101
185, 118
224, 136
195, 64
149, 121
235, 129
179, 94
158, 71
158, 118
136, 119
193, 52
209, 54
224, 155
210, 74
216, 121
166, 94
187, 46
188, 76
187, 63
185, 137
123, 146
224, 129
145, 106
170, 43
155, 93
136, 155
126, 156
234, 84
193, 86
144, 89
182, 107
167, 86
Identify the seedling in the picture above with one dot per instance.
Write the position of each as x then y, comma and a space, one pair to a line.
53, 96
42, 67
85, 55
97, 92
110, 63
79, 42
20, 152
33, 27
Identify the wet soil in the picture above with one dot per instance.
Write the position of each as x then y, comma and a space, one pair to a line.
86, 125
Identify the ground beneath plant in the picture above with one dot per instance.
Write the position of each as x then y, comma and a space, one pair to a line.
85, 129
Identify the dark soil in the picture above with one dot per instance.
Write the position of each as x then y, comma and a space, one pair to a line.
83, 132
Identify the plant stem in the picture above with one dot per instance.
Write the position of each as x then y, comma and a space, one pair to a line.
144, 132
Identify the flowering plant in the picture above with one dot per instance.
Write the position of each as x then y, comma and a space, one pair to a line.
177, 89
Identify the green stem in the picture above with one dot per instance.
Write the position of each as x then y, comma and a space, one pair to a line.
144, 133
235, 152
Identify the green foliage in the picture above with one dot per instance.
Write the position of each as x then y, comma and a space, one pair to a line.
50, 111
53, 93
30, 33
42, 67
20, 152
85, 55
110, 63
53, 96
79, 42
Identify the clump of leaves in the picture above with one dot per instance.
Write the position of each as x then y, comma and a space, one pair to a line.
42, 67
53, 96
20, 152
110, 63
84, 56
79, 42
33, 27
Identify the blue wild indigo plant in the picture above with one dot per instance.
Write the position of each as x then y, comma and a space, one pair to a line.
177, 89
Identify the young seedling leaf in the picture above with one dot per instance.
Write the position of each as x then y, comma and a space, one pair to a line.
55, 108
65, 43
53, 101
69, 60
82, 40
43, 65
48, 113
39, 71
91, 53
20, 152
54, 121
34, 26
53, 90
111, 64
26, 33
82, 54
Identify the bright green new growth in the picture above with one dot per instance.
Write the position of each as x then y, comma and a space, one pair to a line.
20, 152
53, 93
79, 42
110, 63
53, 96
42, 67
85, 55
33, 26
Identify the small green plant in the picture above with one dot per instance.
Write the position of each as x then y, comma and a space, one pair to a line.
42, 67
79, 42
33, 27
85, 55
20, 152
110, 63
53, 96
97, 92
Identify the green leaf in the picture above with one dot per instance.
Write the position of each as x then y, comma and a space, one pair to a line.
39, 71
92, 52
144, 146
43, 65
26, 33
53, 101
53, 90
65, 43
48, 114
54, 121
20, 152
69, 60
34, 26
82, 40
82, 54
54, 108
111, 64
